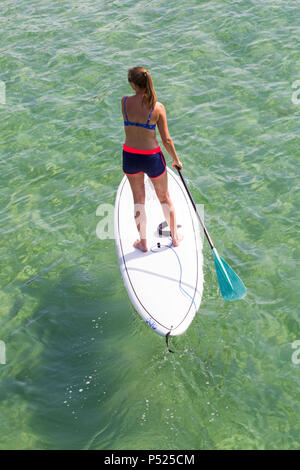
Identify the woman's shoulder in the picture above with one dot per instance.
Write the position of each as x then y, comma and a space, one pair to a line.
161, 110
159, 107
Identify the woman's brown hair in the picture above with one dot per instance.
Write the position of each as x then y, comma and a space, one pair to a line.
142, 78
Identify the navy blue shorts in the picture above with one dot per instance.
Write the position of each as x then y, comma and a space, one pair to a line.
151, 162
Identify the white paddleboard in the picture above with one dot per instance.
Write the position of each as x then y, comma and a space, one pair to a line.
165, 284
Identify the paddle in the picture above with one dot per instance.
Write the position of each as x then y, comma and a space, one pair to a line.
231, 286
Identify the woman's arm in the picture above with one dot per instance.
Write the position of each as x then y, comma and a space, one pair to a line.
122, 107
165, 136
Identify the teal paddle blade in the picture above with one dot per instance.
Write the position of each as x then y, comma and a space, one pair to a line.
231, 286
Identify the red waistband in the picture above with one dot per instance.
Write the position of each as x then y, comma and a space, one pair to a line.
143, 152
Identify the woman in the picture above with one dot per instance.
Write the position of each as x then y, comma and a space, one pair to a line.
142, 153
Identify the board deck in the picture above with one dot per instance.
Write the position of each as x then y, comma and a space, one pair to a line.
165, 284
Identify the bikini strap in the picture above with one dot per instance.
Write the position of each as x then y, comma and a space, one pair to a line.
150, 115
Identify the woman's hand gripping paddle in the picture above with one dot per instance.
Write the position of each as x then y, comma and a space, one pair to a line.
231, 286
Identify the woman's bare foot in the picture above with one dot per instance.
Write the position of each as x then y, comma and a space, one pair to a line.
178, 239
141, 244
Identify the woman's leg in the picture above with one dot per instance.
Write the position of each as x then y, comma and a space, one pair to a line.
161, 188
138, 191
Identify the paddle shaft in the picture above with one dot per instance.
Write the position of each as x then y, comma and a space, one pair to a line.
195, 208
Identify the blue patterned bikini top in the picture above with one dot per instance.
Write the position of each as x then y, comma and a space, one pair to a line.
128, 123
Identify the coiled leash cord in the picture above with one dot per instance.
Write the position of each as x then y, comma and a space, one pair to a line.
155, 249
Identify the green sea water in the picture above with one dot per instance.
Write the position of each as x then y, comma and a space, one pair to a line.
82, 370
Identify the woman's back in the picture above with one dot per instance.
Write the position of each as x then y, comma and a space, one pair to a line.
139, 122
